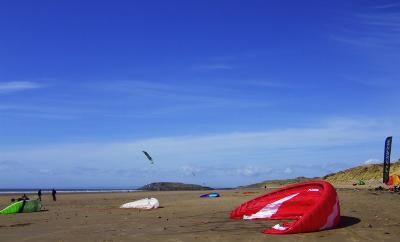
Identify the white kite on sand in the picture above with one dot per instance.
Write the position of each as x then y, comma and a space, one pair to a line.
146, 203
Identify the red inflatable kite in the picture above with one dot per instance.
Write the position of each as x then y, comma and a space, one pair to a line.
394, 180
313, 206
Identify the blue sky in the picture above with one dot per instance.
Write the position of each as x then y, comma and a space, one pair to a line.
222, 93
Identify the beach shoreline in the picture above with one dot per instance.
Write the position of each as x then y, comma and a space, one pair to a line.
183, 216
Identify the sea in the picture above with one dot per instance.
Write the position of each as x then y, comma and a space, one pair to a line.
64, 190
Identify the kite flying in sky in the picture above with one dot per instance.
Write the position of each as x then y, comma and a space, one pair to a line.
148, 157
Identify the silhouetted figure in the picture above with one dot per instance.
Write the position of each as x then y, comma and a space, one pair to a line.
53, 193
39, 193
23, 198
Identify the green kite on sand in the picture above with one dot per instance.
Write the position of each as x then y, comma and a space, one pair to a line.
25, 206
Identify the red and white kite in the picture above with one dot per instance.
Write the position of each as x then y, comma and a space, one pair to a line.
313, 206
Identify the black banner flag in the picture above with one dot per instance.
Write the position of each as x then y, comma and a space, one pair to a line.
386, 160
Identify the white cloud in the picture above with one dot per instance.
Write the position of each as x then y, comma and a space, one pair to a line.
376, 29
6, 165
288, 170
372, 161
178, 97
213, 147
191, 170
45, 171
386, 6
219, 156
15, 86
252, 170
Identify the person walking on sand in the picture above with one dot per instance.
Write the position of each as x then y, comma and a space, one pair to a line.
39, 193
24, 197
53, 193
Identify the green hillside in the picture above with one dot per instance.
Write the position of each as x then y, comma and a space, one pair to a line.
173, 186
279, 183
371, 172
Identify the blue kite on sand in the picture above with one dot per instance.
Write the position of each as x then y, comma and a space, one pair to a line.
213, 194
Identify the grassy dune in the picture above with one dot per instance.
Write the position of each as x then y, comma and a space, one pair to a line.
279, 183
371, 172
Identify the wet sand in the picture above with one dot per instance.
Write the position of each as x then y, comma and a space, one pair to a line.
366, 216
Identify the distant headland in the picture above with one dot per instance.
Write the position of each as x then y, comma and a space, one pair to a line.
173, 186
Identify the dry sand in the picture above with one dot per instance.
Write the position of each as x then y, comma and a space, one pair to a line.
366, 216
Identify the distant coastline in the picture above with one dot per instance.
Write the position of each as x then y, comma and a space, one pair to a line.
173, 186
64, 190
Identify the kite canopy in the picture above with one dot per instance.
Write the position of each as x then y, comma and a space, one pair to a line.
213, 194
394, 180
148, 156
25, 206
313, 206
145, 203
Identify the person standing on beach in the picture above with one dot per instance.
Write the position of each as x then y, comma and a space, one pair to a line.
53, 193
23, 198
39, 193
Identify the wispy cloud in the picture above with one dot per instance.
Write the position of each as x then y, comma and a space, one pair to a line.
8, 165
132, 86
271, 84
372, 161
376, 29
191, 169
173, 97
48, 111
225, 58
367, 82
253, 171
373, 36
288, 170
16, 86
388, 6
308, 169
333, 133
247, 154
131, 99
213, 67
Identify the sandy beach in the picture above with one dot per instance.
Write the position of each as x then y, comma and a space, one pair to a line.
183, 216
